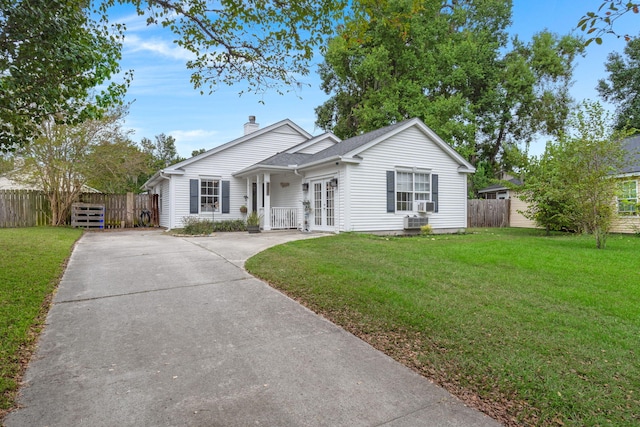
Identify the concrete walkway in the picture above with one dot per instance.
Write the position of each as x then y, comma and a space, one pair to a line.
153, 330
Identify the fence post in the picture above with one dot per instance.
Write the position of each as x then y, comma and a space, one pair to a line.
130, 209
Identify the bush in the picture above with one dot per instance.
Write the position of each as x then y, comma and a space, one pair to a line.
197, 226
230, 225
426, 229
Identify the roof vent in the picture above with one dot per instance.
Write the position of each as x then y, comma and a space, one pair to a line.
251, 126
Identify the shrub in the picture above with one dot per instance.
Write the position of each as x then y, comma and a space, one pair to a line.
195, 226
426, 229
230, 225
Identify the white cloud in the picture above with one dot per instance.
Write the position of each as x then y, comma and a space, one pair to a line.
189, 140
135, 44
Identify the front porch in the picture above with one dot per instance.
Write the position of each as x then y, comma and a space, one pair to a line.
287, 200
283, 218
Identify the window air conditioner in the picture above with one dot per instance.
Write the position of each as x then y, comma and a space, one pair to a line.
424, 206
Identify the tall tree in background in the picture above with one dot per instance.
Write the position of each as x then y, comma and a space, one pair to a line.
451, 65
622, 87
52, 55
160, 153
118, 165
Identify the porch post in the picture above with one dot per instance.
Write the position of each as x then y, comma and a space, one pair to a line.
259, 182
249, 201
267, 202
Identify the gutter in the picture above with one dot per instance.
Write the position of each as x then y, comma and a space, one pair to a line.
352, 160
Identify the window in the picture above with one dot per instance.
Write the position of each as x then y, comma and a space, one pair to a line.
411, 187
209, 195
628, 198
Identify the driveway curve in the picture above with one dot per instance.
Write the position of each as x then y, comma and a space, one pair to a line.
147, 329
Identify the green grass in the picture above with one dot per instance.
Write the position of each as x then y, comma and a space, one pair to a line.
531, 329
31, 262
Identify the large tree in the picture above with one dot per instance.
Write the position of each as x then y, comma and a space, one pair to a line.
53, 53
452, 65
118, 165
160, 153
622, 87
52, 56
573, 185
60, 159
263, 44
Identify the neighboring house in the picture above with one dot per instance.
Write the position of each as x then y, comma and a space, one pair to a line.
501, 191
628, 220
375, 182
16, 181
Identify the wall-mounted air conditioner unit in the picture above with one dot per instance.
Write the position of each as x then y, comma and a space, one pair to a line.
430, 206
424, 206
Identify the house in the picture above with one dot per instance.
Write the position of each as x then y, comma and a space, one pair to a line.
504, 191
628, 220
389, 180
500, 190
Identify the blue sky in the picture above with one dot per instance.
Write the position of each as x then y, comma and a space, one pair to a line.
164, 101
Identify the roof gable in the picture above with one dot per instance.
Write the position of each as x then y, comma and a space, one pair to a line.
241, 140
327, 136
352, 147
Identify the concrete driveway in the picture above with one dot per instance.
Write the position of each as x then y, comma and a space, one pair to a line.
148, 329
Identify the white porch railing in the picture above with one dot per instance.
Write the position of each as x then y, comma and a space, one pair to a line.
284, 218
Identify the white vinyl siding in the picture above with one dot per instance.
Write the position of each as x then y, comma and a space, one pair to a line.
226, 162
411, 148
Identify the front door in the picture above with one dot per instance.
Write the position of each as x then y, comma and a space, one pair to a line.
323, 205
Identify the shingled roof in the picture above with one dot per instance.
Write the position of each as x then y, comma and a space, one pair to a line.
352, 143
632, 145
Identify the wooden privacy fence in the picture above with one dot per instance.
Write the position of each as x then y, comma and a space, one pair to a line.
24, 208
488, 213
130, 209
30, 208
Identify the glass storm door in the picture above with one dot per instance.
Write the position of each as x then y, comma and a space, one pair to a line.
323, 204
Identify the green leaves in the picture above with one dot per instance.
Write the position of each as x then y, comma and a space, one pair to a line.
602, 22
571, 185
622, 87
53, 55
265, 44
453, 67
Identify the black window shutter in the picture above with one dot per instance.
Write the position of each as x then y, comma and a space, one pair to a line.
434, 191
193, 195
391, 191
225, 196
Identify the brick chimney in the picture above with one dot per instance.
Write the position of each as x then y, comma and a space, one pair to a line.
251, 126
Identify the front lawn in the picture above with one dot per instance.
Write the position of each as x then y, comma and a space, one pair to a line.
31, 262
530, 329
